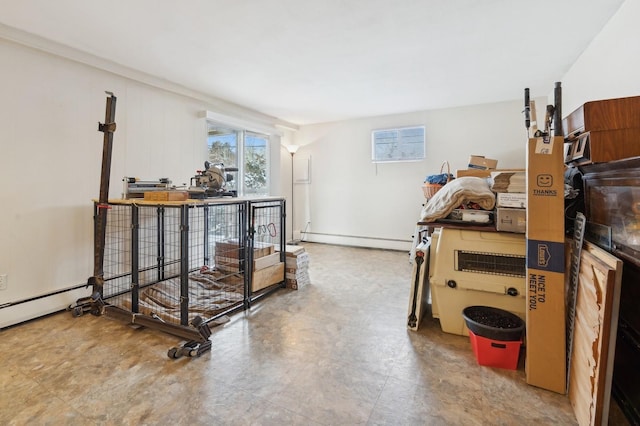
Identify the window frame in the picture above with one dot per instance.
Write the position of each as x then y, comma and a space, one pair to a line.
240, 152
402, 154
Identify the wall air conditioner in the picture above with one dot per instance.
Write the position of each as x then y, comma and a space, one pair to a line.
468, 268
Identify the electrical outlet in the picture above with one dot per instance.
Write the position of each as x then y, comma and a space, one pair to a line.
3, 281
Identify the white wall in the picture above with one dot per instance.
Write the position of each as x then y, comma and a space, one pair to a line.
353, 201
610, 66
50, 162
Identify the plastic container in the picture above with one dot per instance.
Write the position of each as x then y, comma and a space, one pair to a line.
493, 323
495, 353
495, 334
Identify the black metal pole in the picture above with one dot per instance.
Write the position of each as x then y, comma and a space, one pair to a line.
108, 128
184, 265
135, 259
557, 113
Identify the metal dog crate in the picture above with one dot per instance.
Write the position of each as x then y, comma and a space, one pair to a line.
266, 231
179, 265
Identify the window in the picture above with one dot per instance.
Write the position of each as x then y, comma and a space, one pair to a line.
401, 144
244, 150
256, 149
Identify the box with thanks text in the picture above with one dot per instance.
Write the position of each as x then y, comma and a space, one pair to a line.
545, 364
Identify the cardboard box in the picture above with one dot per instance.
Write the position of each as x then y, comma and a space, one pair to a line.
473, 173
511, 220
482, 163
545, 364
517, 200
510, 181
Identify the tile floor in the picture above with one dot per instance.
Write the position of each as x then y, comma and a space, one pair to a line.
336, 352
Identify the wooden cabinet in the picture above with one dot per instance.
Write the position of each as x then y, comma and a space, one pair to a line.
602, 131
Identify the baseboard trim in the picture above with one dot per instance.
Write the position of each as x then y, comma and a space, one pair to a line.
356, 241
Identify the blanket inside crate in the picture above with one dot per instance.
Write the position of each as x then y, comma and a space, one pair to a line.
210, 293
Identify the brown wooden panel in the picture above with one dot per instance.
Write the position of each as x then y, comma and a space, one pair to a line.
268, 276
596, 318
611, 114
614, 144
574, 121
608, 114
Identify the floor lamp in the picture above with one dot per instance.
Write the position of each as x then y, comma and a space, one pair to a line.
292, 150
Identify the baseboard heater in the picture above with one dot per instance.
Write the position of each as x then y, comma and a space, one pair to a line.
357, 240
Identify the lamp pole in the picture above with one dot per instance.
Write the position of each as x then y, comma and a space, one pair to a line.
292, 150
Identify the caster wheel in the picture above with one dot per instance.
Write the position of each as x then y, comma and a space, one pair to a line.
174, 353
77, 311
197, 321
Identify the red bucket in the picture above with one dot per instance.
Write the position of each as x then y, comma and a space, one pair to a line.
495, 353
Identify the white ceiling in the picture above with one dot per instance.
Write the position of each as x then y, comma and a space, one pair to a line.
310, 61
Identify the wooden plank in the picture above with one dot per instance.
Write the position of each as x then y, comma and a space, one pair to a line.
268, 276
586, 354
611, 312
596, 319
166, 195
293, 250
265, 261
231, 249
227, 264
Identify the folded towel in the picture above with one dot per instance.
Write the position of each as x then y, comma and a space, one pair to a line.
459, 191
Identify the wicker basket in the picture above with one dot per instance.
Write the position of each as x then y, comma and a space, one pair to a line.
430, 189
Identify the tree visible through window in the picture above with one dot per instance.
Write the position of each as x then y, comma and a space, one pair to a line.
245, 150
255, 165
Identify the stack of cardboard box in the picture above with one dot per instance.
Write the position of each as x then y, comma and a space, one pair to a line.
297, 267
511, 200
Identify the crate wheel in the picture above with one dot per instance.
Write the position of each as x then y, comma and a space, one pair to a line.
174, 353
77, 311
